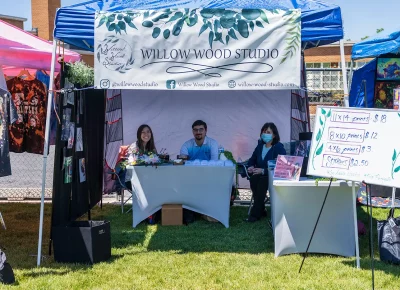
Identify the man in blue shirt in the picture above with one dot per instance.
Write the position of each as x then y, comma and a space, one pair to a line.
200, 147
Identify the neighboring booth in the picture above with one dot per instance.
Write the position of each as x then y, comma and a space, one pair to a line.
20, 50
377, 85
380, 76
234, 116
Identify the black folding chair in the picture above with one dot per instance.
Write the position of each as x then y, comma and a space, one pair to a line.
122, 189
242, 171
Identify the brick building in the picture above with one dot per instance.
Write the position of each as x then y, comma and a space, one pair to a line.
16, 21
43, 16
324, 65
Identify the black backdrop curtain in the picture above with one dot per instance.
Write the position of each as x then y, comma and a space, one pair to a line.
74, 199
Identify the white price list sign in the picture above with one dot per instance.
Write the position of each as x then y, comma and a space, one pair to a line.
356, 145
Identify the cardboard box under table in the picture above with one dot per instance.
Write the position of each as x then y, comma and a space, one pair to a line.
171, 215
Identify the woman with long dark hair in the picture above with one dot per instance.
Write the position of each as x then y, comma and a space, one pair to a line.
268, 148
144, 143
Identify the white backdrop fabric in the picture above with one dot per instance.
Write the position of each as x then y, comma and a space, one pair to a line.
234, 118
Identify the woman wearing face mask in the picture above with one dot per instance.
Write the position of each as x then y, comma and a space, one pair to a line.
268, 148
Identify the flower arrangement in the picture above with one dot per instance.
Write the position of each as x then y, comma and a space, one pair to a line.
149, 158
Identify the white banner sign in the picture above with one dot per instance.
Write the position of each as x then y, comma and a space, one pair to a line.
198, 49
357, 145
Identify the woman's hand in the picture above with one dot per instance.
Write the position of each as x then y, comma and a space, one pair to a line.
250, 169
257, 171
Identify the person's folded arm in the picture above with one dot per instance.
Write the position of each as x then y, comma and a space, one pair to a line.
253, 159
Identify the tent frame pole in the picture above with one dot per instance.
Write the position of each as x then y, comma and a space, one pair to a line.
46, 148
344, 73
351, 73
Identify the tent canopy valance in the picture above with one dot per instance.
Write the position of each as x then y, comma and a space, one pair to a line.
377, 45
321, 22
20, 49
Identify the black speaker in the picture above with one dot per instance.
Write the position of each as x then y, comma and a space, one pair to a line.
85, 242
305, 136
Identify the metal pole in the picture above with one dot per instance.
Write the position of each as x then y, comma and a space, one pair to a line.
344, 72
46, 148
353, 185
350, 74
393, 196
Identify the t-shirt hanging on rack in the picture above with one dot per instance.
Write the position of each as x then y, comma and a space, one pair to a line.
8, 115
30, 99
45, 78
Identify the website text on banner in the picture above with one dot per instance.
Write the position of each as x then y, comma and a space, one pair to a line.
356, 145
198, 49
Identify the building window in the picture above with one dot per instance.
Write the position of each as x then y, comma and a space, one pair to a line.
334, 65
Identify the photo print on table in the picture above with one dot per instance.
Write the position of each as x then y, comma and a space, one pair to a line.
302, 148
79, 140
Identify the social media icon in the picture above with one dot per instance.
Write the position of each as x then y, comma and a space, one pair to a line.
171, 84
231, 84
105, 84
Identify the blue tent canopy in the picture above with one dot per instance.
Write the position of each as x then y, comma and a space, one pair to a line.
321, 22
377, 45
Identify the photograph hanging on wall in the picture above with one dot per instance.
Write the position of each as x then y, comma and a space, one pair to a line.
71, 137
388, 69
79, 140
65, 124
383, 98
82, 170
68, 169
396, 99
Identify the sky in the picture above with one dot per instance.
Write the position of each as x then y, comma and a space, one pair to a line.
361, 17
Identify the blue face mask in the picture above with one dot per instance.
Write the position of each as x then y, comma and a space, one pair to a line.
266, 137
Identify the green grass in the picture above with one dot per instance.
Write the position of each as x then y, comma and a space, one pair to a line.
199, 256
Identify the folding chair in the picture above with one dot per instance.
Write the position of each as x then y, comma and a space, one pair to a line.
242, 170
122, 190
119, 174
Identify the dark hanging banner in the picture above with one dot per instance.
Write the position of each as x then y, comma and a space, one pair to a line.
78, 175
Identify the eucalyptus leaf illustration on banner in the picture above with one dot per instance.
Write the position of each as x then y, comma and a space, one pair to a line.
199, 48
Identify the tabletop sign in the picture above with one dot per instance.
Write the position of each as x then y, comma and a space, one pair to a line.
357, 145
288, 167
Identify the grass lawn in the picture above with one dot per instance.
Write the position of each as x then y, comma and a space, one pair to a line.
199, 256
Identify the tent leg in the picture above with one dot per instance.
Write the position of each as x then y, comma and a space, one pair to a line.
353, 185
393, 196
344, 73
350, 74
46, 149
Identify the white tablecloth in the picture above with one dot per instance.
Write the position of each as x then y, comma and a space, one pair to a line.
203, 189
295, 206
